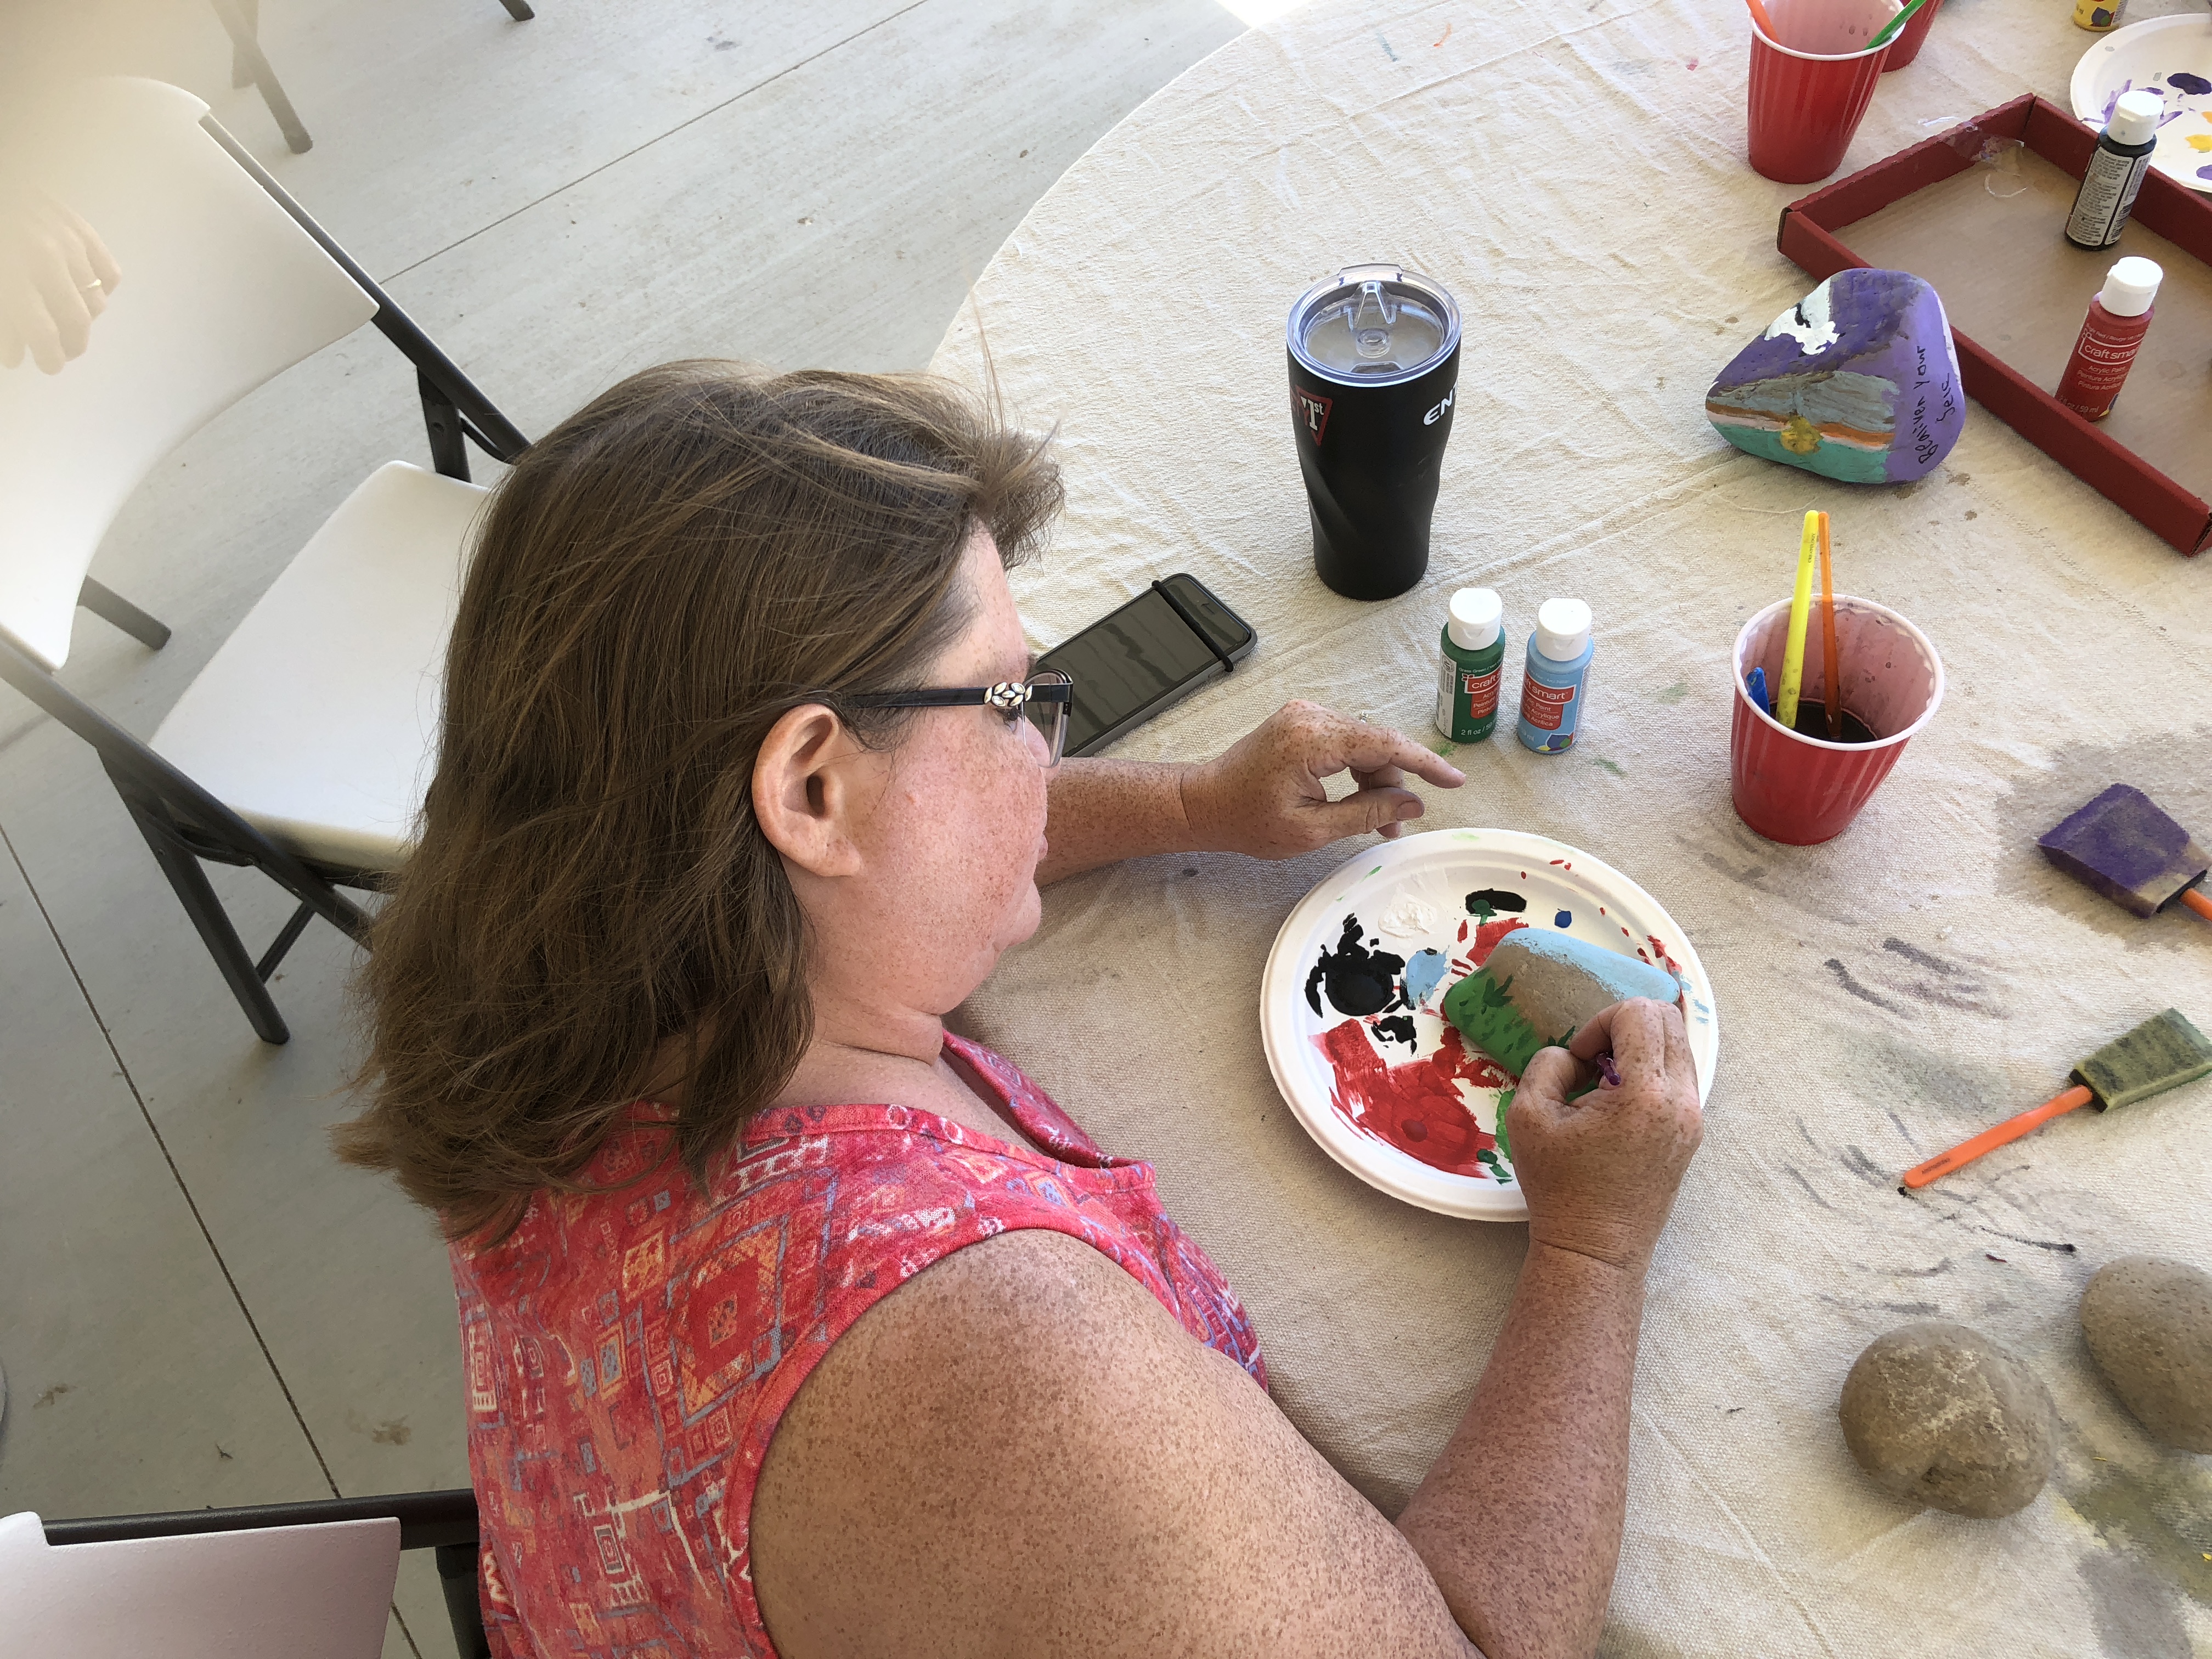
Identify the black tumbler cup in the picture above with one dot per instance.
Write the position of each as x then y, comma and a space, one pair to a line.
1374, 357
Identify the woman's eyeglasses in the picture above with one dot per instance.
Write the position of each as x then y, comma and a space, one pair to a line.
1042, 700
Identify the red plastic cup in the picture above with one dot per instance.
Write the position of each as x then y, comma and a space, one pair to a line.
1805, 790
1905, 45
1808, 97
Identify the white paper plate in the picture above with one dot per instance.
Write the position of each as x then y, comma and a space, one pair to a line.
2151, 54
1412, 895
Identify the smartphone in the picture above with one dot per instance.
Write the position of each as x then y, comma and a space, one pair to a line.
1145, 657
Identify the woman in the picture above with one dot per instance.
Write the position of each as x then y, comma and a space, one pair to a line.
792, 1323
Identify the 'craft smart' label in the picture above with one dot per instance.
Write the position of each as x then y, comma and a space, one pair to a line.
1544, 707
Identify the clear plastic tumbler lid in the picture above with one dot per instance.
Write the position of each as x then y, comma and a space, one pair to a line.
1373, 326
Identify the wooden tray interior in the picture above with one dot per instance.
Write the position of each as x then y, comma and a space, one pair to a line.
2019, 289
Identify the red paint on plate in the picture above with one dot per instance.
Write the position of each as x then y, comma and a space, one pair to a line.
1415, 1107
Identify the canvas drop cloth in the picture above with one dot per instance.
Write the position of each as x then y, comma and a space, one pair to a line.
1576, 174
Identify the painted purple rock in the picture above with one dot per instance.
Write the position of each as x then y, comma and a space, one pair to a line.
1858, 382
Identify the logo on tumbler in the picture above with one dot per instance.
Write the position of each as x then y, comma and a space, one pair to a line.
1313, 410
1441, 409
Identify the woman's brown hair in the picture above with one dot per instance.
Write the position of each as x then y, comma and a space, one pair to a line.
658, 581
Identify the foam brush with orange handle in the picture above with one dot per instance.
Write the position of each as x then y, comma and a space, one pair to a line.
2123, 846
2163, 1053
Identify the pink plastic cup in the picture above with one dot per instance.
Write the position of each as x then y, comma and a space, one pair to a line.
1905, 45
1808, 97
1805, 790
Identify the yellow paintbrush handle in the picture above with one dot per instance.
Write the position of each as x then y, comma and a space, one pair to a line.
1801, 612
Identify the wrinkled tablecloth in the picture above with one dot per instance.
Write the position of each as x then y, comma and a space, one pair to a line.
1576, 175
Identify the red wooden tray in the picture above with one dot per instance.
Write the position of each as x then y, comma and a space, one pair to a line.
1811, 234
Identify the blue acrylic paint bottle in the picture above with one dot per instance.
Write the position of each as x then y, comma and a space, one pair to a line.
1556, 676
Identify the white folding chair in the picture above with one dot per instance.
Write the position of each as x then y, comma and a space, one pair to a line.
304, 744
275, 1581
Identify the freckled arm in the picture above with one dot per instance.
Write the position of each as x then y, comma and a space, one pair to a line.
1100, 811
1264, 796
1520, 1520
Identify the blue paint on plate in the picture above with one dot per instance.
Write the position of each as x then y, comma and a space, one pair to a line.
1423, 969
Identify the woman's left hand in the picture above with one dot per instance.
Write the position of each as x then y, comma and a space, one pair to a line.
1264, 796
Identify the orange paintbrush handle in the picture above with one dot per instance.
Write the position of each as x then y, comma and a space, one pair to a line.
1989, 1140
1828, 641
2196, 900
1758, 17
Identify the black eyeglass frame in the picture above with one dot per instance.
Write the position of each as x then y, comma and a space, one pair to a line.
1010, 697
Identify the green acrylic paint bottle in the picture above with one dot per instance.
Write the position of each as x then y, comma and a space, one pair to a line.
1473, 654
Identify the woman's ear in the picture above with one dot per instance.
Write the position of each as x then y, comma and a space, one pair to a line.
811, 783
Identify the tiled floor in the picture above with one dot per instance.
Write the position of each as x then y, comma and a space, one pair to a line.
196, 1305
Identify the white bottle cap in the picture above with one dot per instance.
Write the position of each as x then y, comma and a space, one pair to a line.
2134, 118
1475, 614
2131, 285
1563, 629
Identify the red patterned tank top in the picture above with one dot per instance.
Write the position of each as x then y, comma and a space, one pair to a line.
629, 1353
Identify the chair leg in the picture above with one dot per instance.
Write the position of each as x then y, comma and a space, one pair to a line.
449, 454
197, 896
111, 607
245, 49
519, 10
457, 1569
241, 72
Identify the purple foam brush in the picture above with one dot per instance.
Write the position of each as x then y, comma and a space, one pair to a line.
2133, 854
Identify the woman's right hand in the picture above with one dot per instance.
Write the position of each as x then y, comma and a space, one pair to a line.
1601, 1172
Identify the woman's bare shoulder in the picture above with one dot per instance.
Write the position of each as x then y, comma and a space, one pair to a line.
1018, 1450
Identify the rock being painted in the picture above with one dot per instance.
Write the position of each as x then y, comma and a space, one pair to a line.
1857, 381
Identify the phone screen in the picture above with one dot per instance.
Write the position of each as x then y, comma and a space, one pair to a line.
1140, 658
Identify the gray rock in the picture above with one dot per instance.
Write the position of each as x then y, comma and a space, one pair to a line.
1942, 1417
2149, 1323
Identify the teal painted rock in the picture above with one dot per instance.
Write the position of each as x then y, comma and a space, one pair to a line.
1858, 380
1537, 988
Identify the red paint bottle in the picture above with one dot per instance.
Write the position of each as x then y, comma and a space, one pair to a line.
2118, 319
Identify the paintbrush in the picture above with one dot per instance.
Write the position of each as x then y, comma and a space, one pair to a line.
1828, 640
1537, 989
1755, 683
1766, 23
2163, 1053
1801, 612
1888, 32
2123, 846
